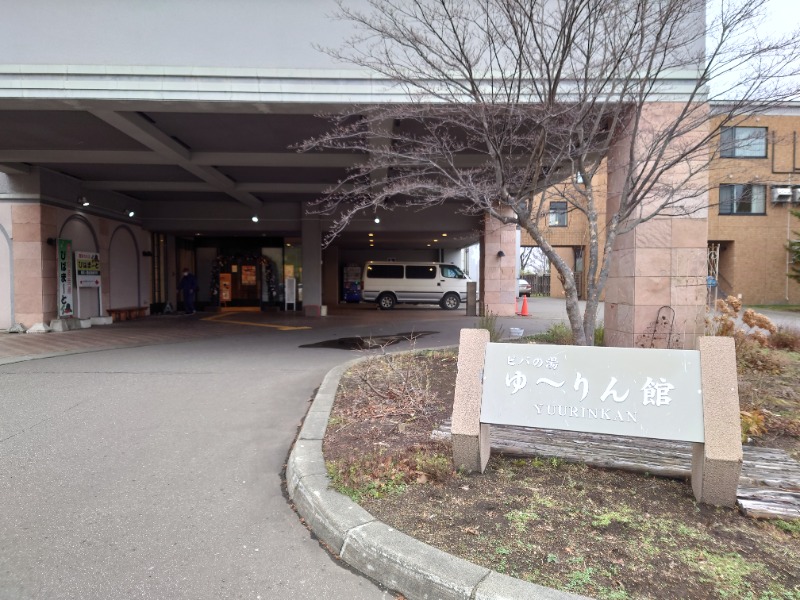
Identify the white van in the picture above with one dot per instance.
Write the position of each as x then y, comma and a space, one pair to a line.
388, 283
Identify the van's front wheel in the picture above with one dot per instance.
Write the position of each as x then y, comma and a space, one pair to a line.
386, 301
450, 301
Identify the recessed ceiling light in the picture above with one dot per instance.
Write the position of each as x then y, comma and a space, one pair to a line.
444, 235
435, 241
377, 220
254, 218
370, 234
131, 213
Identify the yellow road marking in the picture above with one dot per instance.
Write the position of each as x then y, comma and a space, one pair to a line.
221, 316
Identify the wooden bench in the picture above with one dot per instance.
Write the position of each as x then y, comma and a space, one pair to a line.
128, 313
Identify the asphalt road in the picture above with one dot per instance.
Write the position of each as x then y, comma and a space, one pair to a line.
155, 472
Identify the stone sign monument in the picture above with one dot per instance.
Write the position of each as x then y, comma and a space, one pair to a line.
680, 395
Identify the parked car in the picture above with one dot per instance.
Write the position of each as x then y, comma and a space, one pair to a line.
524, 288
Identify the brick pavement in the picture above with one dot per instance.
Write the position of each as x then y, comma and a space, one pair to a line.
141, 332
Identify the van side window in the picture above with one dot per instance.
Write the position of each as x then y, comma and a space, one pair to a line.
452, 272
420, 272
385, 271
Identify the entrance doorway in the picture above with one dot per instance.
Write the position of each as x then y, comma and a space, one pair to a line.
242, 273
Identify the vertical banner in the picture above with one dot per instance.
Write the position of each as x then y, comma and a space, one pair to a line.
87, 269
225, 287
64, 263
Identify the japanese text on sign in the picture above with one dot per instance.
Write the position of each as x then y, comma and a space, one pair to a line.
87, 269
624, 391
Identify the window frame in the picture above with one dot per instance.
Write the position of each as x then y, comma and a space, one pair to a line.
731, 148
734, 201
556, 213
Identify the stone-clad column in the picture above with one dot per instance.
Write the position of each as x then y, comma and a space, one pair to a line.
34, 263
661, 263
498, 285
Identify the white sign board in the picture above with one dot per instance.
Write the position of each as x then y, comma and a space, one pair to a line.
623, 391
87, 269
290, 293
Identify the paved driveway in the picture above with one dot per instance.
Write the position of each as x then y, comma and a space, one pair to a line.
154, 471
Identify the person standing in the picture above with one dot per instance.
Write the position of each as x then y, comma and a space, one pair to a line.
188, 285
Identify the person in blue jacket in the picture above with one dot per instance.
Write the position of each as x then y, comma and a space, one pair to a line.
188, 286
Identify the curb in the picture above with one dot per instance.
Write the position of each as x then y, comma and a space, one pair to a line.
393, 559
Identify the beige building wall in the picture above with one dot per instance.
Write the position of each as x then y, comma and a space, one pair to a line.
753, 257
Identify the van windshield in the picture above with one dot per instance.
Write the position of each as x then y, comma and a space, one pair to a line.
452, 272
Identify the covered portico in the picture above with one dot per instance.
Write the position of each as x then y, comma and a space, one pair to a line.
157, 135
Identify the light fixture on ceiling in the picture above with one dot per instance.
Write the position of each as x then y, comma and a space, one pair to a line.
370, 234
444, 235
83, 201
377, 219
254, 218
131, 213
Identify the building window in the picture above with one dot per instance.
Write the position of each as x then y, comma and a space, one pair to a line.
743, 142
742, 199
558, 214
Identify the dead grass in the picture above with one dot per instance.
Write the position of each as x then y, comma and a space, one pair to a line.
604, 533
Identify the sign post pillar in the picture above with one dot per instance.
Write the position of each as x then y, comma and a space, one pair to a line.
470, 436
717, 462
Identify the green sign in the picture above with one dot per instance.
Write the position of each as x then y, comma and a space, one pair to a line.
64, 287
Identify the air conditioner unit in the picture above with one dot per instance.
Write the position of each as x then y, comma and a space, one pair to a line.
781, 195
796, 195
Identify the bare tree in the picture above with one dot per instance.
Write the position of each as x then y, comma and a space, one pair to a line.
511, 103
533, 260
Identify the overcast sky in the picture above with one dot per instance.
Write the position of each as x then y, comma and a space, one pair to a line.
782, 17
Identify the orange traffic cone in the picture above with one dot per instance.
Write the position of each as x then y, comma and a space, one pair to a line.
524, 312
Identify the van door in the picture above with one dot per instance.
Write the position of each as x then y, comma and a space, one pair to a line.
453, 279
421, 284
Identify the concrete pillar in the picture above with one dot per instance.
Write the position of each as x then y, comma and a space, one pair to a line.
311, 231
331, 277
662, 263
498, 289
